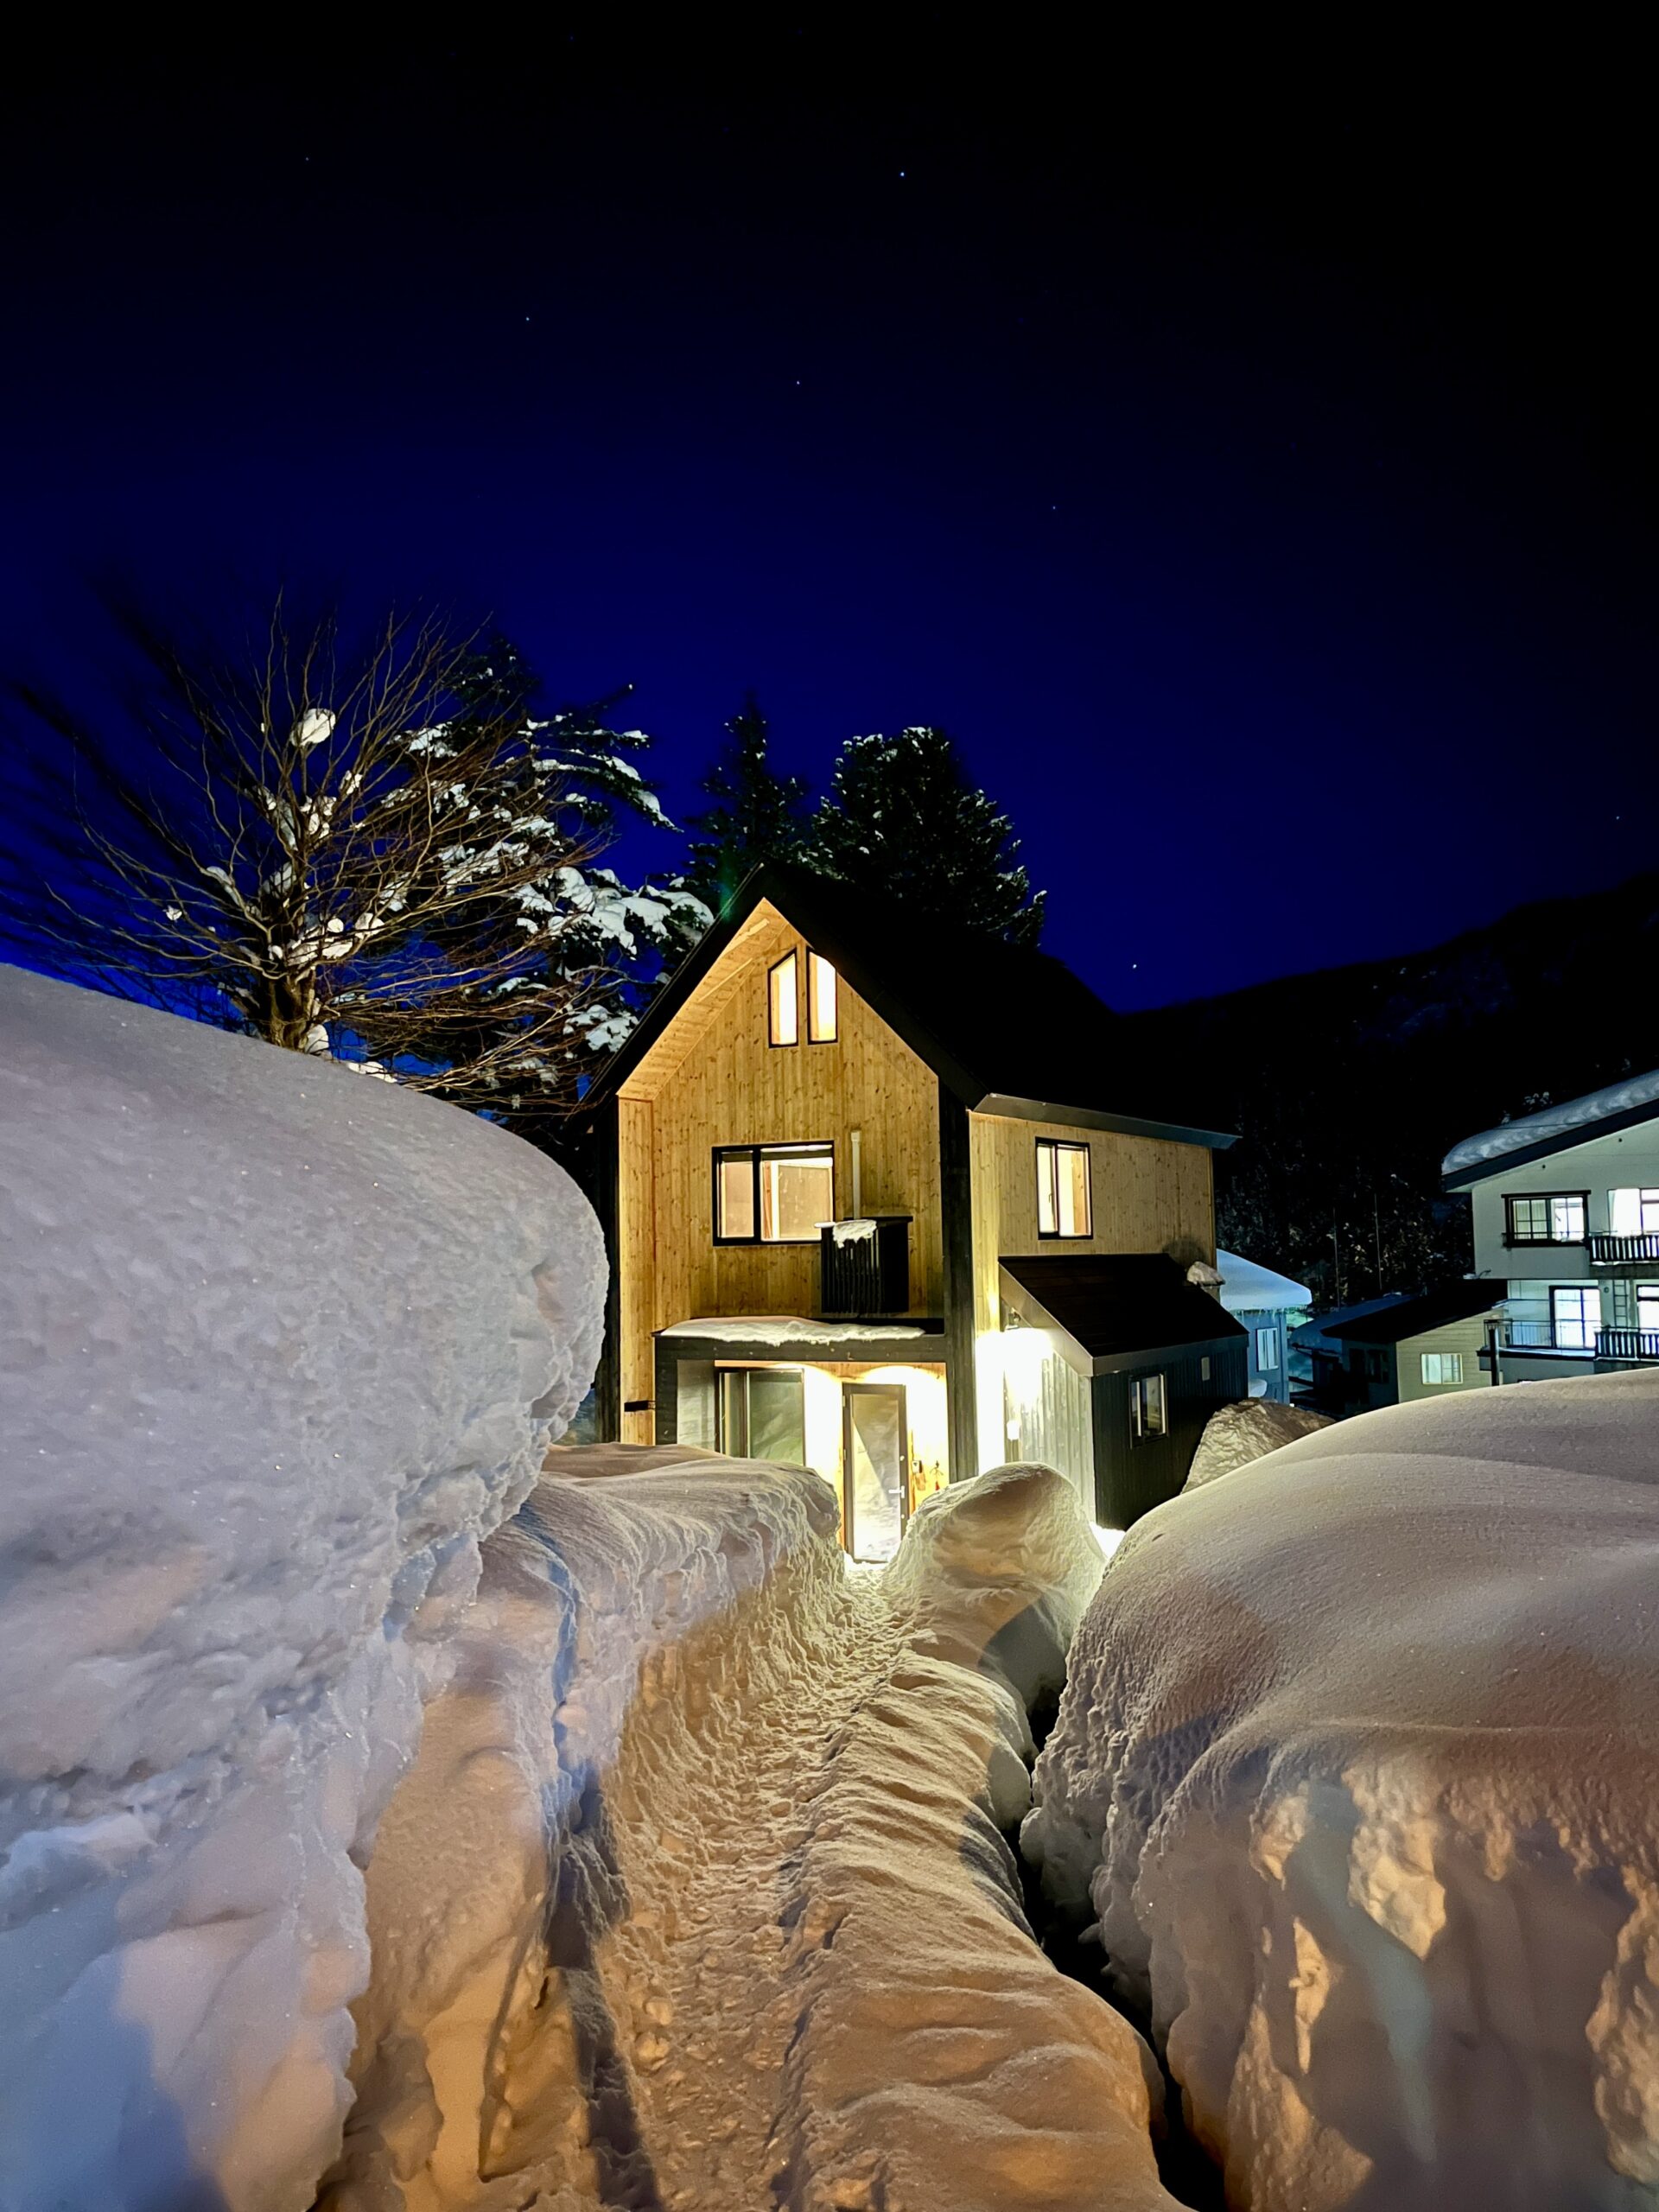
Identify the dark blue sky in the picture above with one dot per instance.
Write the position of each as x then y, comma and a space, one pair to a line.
1250, 469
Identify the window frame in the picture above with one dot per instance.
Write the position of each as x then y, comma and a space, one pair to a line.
791, 961
1588, 1331
1514, 1198
1054, 1146
809, 1147
832, 1035
1270, 1337
1441, 1380
1141, 1389
744, 1371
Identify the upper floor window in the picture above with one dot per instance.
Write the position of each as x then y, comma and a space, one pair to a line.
784, 1001
773, 1193
1557, 1219
820, 1001
1633, 1213
1063, 1199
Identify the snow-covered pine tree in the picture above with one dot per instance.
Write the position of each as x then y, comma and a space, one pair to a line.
384, 856
757, 815
901, 819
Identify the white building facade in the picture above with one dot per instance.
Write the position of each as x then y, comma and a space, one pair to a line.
1565, 1206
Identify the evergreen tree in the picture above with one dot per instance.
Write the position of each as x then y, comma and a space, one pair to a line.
757, 816
901, 819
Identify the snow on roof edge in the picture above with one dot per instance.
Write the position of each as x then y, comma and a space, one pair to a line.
1563, 1121
1249, 1288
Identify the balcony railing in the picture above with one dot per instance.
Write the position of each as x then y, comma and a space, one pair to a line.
1624, 1251
1627, 1344
1546, 1336
864, 1265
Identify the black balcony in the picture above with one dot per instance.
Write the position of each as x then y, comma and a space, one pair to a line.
1624, 1251
864, 1265
1633, 1344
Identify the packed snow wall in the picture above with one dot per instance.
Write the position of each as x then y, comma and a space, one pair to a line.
1357, 1772
278, 1344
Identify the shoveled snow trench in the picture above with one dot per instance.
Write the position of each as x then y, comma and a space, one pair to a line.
733, 1925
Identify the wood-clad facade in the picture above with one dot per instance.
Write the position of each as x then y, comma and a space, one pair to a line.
901, 1123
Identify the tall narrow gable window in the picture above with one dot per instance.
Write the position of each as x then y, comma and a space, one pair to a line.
784, 1001
1063, 1197
820, 1001
773, 1193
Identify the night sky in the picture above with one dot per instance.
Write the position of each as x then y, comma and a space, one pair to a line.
1245, 454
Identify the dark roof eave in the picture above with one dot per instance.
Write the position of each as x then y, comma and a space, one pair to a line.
1095, 1117
1463, 1177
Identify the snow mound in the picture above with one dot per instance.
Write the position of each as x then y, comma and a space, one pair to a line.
941, 2060
1247, 1430
279, 1346
1357, 1769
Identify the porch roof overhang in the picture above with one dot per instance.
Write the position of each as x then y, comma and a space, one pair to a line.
796, 1338
1112, 1312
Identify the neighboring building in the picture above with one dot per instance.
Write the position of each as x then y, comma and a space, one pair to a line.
894, 1201
1392, 1350
1566, 1207
1264, 1302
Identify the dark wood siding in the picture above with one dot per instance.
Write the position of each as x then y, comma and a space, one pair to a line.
1131, 1478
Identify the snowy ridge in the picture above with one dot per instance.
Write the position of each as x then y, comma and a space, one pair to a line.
1356, 1772
1245, 1431
279, 1347
1567, 1120
1249, 1288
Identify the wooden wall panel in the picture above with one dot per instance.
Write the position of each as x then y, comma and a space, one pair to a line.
714, 1078
635, 1232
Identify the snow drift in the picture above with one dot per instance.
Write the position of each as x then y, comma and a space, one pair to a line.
1249, 1429
277, 1346
1358, 1771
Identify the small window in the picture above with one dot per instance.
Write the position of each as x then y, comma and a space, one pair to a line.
1149, 1408
1440, 1367
1267, 1350
1063, 1197
1556, 1219
762, 1414
784, 1001
820, 1001
773, 1193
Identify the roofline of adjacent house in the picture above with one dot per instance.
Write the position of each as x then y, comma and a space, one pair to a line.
1482, 1171
762, 884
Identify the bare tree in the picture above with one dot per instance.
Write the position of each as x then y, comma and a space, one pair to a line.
382, 856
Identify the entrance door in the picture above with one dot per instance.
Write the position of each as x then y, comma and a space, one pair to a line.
876, 1467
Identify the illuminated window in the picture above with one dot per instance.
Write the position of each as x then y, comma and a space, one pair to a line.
1633, 1213
784, 1001
1557, 1219
773, 1193
762, 1414
820, 1001
1442, 1367
1574, 1316
1267, 1350
1063, 1207
1148, 1407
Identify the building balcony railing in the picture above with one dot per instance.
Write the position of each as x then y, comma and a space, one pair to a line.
1624, 1251
864, 1265
1545, 1336
1627, 1344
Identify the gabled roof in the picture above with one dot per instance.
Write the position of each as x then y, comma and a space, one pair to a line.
1390, 1324
1007, 1030
1249, 1288
1313, 1333
1554, 1128
1118, 1309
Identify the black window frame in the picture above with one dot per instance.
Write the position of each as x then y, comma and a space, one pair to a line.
1514, 1243
813, 1148
745, 1370
816, 960
1058, 1236
792, 958
1139, 1389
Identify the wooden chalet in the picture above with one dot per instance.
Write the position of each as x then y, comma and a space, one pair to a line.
899, 1201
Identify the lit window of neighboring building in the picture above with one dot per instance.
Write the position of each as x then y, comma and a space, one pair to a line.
1574, 1316
1442, 1367
1557, 1218
1063, 1199
773, 1193
1267, 1350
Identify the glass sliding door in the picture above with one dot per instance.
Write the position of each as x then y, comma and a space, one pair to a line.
876, 1467
763, 1413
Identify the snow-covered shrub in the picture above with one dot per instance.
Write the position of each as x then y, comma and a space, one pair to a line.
276, 1347
1357, 1769
1247, 1430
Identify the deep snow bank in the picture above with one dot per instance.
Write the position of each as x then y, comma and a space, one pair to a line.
555, 1832
1247, 1430
941, 2060
277, 1345
1359, 1765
